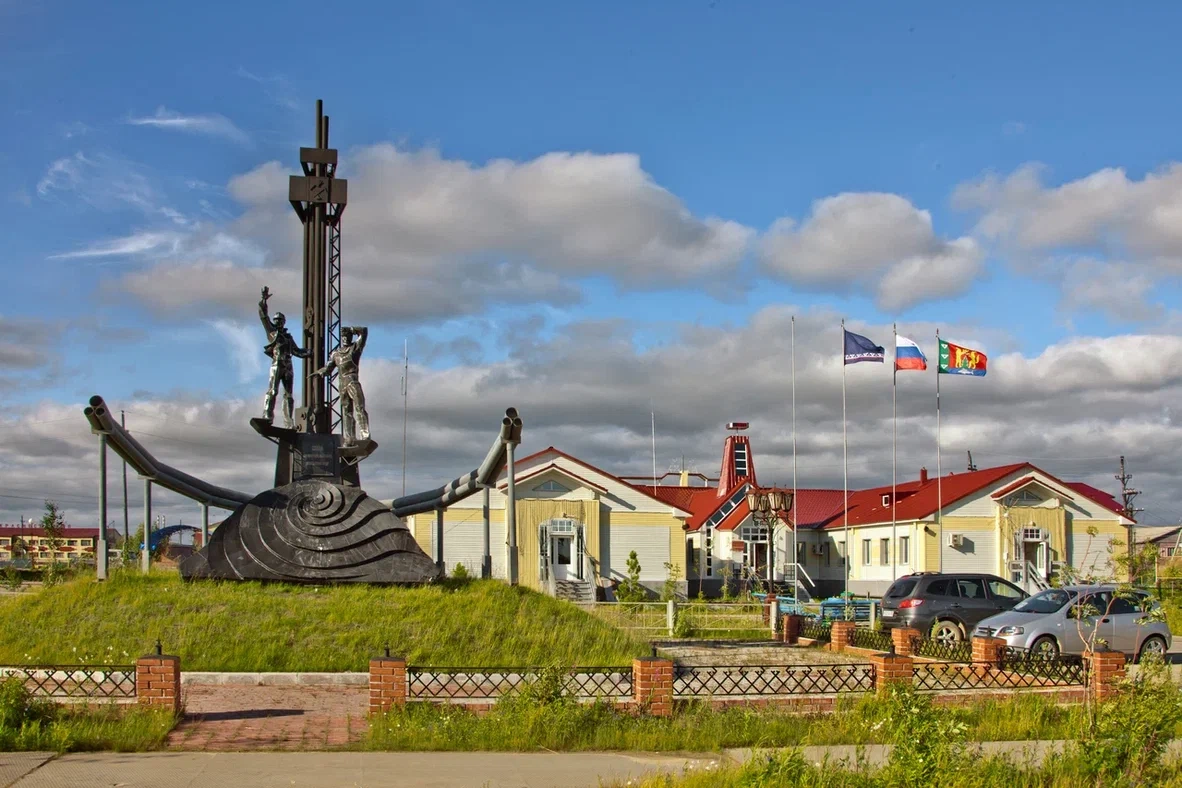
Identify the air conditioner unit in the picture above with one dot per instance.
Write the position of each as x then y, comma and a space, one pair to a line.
818, 549
955, 540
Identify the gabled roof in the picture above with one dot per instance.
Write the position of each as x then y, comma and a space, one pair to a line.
1026, 481
553, 466
1097, 495
647, 492
684, 498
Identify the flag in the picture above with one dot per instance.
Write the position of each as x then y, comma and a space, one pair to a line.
908, 355
859, 348
957, 360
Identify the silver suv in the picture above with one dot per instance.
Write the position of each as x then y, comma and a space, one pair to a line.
1071, 619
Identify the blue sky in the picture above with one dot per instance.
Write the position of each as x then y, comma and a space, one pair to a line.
132, 120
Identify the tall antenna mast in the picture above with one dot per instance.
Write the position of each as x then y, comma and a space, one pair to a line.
653, 413
971, 466
405, 397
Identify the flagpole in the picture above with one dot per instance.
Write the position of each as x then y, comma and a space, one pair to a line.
795, 504
845, 471
939, 471
894, 458
405, 394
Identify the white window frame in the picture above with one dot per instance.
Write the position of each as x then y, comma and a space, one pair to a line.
867, 552
903, 549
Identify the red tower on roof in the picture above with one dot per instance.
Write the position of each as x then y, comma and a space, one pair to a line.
738, 466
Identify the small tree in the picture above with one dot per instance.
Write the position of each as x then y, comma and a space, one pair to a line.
669, 587
630, 589
53, 524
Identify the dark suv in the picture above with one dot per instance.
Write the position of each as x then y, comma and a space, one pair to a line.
947, 607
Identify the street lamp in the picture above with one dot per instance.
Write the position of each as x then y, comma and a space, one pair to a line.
768, 505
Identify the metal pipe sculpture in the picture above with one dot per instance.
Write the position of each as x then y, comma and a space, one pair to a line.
460, 488
149, 467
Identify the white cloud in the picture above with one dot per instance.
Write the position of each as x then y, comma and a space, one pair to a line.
1073, 408
243, 343
876, 243
1105, 210
135, 244
1117, 289
107, 183
429, 237
211, 125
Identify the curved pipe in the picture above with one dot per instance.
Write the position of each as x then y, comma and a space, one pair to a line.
468, 484
149, 467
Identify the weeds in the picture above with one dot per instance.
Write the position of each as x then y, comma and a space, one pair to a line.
28, 723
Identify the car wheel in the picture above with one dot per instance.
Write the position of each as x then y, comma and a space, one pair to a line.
948, 632
1154, 645
1045, 647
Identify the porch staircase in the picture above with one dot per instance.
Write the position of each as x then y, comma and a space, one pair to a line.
577, 591
792, 573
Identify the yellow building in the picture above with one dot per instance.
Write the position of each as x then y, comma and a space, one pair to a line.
31, 543
576, 526
1015, 521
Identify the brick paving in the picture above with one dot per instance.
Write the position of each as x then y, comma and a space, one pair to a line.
233, 717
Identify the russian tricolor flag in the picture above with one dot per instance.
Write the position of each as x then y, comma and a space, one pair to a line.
908, 355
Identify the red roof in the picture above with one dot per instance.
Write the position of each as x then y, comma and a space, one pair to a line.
688, 499
7, 529
1018, 485
1097, 495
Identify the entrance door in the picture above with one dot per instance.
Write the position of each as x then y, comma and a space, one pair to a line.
562, 549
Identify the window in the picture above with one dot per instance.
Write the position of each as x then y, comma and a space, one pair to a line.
842, 557
825, 550
971, 588
552, 486
709, 542
1003, 590
1024, 498
886, 499
942, 587
901, 589
884, 551
750, 532
904, 549
85, 542
1124, 606
728, 506
740, 455
865, 552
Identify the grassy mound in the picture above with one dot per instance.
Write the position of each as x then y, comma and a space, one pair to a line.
278, 627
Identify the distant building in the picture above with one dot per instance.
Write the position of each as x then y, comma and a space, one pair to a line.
1167, 539
24, 541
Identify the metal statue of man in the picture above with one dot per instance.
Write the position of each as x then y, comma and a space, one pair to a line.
346, 358
281, 346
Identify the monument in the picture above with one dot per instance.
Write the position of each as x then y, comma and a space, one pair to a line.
317, 525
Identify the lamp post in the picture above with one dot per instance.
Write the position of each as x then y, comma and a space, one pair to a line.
770, 505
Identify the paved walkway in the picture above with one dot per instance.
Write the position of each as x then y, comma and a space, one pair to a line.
237, 717
401, 769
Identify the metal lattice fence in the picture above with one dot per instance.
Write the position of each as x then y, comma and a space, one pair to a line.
1009, 674
76, 681
493, 683
946, 652
816, 630
763, 680
870, 639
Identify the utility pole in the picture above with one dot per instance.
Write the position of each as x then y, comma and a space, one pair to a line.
1127, 494
126, 536
971, 466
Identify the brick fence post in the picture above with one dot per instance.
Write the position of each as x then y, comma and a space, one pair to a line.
988, 651
890, 669
387, 683
904, 639
1105, 671
158, 682
652, 685
790, 627
841, 635
769, 610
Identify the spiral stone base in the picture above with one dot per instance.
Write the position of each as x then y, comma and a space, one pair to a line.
313, 531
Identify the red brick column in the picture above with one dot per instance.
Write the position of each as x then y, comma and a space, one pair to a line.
841, 635
790, 625
904, 639
158, 682
1106, 669
652, 685
890, 669
387, 683
988, 651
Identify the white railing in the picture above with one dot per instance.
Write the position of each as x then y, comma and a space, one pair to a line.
699, 619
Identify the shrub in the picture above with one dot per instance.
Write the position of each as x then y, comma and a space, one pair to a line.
630, 590
460, 572
11, 578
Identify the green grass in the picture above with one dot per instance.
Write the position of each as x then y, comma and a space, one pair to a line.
224, 626
790, 770
566, 726
86, 728
1173, 610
